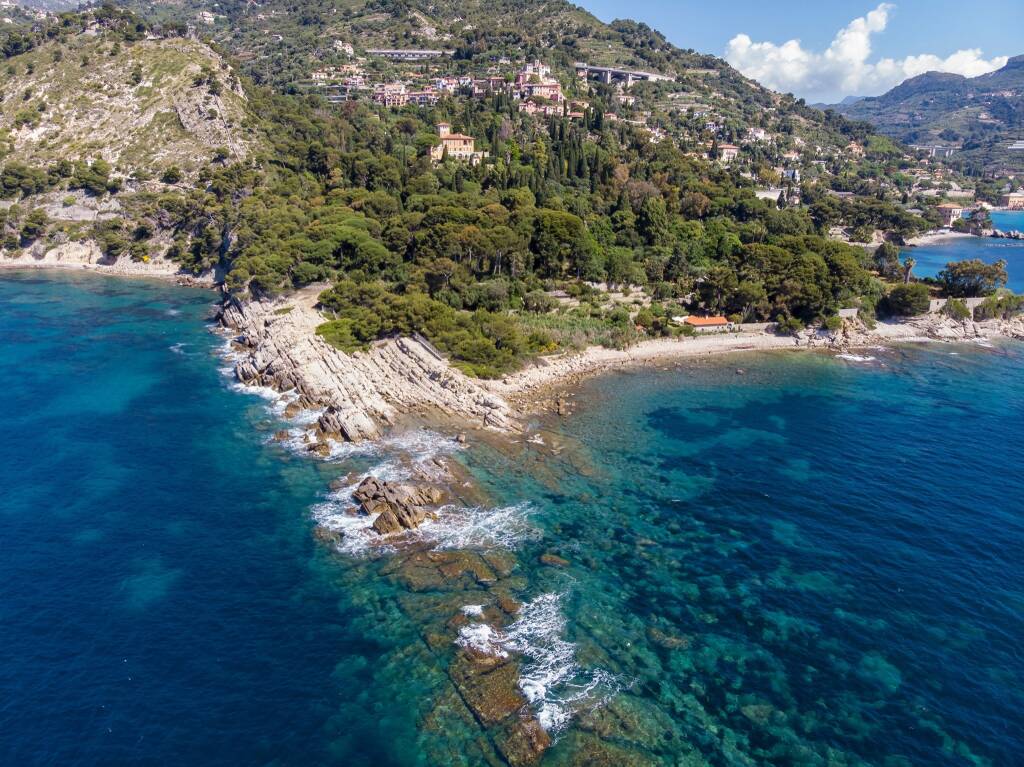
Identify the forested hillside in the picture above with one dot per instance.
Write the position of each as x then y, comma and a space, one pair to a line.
590, 214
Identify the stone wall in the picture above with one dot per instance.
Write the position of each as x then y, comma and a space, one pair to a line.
937, 304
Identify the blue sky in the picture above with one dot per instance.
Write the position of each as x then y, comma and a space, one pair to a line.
827, 50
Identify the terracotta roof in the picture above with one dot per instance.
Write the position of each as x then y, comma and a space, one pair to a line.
457, 136
705, 322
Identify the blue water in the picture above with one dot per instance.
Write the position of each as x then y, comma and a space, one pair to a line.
817, 561
1008, 220
931, 259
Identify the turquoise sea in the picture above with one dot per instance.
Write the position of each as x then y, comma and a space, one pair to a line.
931, 259
814, 562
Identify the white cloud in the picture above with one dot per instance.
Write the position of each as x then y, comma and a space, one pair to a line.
845, 68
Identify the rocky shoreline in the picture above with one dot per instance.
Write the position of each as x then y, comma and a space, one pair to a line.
361, 395
399, 380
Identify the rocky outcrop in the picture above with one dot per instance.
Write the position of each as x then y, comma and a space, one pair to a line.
932, 327
361, 394
397, 507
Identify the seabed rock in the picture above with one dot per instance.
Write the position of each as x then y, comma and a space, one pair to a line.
522, 741
328, 536
321, 449
488, 684
553, 560
398, 507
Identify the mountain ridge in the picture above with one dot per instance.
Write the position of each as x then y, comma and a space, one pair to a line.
979, 117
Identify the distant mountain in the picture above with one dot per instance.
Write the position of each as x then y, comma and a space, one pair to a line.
980, 117
849, 100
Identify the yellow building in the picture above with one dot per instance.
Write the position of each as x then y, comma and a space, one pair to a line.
458, 146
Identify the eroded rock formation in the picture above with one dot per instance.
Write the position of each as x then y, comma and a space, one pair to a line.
363, 393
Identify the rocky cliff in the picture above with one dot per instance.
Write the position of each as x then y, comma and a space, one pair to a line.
361, 394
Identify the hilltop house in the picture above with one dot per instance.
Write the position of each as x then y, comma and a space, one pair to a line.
535, 79
729, 152
457, 146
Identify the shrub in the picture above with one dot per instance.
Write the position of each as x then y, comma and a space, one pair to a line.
786, 325
956, 309
906, 301
1000, 307
34, 226
172, 175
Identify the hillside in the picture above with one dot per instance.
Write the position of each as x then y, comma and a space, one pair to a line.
142, 106
697, 98
500, 193
980, 117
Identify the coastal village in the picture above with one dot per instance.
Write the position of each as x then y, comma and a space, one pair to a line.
774, 161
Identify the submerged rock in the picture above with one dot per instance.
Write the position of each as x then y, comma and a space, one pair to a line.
553, 560
321, 449
326, 535
522, 741
489, 685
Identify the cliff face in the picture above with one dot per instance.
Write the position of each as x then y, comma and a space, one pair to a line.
361, 394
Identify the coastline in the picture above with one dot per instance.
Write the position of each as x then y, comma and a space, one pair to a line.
82, 257
938, 235
533, 387
366, 395
401, 382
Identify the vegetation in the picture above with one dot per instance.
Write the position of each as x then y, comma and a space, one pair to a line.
519, 255
906, 300
971, 278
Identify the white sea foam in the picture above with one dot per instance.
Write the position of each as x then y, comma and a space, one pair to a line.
483, 639
481, 527
456, 527
474, 611
855, 357
264, 392
178, 348
549, 676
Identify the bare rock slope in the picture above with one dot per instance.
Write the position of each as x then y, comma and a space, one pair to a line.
363, 393
144, 106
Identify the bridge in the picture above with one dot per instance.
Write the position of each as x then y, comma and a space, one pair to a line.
609, 75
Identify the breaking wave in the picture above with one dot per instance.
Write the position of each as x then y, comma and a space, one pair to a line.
856, 357
549, 676
456, 527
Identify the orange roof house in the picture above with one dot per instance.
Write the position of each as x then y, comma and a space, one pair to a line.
706, 322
